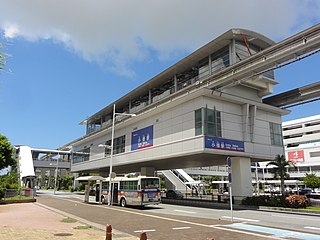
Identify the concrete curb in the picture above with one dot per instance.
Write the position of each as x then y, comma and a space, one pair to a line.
291, 210
18, 201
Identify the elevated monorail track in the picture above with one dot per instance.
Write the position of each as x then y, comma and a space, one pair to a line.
295, 97
304, 43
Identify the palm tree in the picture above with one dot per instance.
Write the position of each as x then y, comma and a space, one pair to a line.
279, 169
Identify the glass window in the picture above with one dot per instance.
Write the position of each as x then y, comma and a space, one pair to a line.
119, 145
220, 60
198, 122
276, 134
150, 183
105, 185
129, 185
81, 155
211, 122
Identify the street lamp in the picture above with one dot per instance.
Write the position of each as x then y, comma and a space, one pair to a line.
111, 147
56, 175
57, 168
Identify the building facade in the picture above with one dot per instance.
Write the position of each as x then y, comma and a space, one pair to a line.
188, 116
302, 145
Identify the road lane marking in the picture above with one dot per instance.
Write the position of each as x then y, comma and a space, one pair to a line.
149, 230
184, 211
313, 228
180, 228
275, 232
300, 217
175, 220
242, 219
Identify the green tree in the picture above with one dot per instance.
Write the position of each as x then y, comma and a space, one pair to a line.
7, 153
311, 180
8, 181
280, 165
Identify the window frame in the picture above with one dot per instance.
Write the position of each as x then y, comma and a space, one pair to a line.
214, 122
276, 137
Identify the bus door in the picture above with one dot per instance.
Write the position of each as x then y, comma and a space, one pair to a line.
115, 192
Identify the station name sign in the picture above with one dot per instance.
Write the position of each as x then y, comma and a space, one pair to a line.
142, 138
224, 144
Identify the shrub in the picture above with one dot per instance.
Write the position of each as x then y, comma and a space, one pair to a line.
256, 201
297, 201
278, 201
265, 200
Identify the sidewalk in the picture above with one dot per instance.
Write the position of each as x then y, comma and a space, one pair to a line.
34, 221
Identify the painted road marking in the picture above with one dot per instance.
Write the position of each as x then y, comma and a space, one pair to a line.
242, 219
277, 233
184, 211
180, 228
313, 228
296, 217
173, 220
149, 230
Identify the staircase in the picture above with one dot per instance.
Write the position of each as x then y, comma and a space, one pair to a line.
178, 178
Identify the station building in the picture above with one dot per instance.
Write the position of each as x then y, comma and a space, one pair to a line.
186, 116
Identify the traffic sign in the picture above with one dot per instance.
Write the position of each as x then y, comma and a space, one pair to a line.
229, 169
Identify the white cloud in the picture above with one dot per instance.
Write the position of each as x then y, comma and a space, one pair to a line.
10, 30
121, 32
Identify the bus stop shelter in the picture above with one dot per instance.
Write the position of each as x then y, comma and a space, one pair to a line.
90, 180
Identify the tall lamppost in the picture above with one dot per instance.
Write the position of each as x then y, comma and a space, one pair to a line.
111, 147
56, 175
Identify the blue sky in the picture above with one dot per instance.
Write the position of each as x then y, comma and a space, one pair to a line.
66, 63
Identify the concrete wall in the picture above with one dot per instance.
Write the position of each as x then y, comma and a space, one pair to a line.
174, 132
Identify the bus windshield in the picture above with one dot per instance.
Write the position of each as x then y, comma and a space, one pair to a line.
150, 183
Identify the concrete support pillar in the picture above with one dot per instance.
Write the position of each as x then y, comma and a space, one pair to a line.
241, 177
175, 83
210, 65
147, 171
86, 193
150, 97
232, 52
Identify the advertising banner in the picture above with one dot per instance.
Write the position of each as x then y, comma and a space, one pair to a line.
142, 138
296, 156
224, 144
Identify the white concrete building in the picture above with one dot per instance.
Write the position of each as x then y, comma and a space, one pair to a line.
188, 117
302, 145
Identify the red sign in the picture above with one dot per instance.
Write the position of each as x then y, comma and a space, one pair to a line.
296, 156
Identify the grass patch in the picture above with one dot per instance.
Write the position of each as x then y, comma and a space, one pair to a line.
313, 208
82, 227
68, 220
17, 198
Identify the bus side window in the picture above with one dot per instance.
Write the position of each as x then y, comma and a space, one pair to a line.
139, 187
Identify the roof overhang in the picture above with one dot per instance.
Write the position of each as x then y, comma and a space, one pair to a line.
185, 64
89, 178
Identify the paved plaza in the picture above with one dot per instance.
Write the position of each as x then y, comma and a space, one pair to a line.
34, 221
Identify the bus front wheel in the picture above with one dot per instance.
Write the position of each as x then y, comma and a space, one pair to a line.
123, 202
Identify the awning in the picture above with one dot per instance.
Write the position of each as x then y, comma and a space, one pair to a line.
89, 178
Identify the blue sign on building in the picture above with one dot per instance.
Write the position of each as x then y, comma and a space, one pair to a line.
224, 144
142, 138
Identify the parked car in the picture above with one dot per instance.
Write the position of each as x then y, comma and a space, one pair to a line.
174, 194
305, 191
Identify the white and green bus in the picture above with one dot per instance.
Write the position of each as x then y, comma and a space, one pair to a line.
137, 191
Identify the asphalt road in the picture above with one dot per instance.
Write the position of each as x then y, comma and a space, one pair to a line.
290, 221
180, 222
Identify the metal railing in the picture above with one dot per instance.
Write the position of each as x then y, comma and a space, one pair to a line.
17, 194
